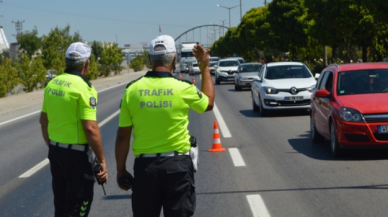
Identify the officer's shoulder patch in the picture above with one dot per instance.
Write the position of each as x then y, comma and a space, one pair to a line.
93, 102
130, 83
199, 93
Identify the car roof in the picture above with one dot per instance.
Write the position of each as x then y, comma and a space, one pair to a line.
284, 64
359, 66
228, 59
242, 64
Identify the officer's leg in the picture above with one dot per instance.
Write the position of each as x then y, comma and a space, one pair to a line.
179, 188
146, 194
58, 181
80, 184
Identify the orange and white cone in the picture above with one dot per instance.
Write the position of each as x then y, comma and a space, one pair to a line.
180, 75
193, 80
217, 146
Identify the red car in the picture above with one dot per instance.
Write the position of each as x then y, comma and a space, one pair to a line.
349, 106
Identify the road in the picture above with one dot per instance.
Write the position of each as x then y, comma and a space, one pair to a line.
270, 166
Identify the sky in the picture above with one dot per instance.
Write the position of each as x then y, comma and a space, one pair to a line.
123, 21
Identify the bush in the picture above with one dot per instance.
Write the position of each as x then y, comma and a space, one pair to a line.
137, 63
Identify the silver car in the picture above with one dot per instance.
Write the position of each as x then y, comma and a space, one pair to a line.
245, 74
225, 70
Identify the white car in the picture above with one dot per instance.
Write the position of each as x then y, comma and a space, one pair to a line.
282, 85
225, 70
194, 69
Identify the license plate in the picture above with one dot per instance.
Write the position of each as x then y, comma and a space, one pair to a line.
293, 98
382, 128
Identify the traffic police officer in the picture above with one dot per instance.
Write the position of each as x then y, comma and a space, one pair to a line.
69, 128
156, 108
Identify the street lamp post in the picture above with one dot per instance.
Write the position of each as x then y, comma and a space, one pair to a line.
229, 8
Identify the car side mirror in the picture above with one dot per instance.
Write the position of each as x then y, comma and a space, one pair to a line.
257, 79
317, 75
322, 93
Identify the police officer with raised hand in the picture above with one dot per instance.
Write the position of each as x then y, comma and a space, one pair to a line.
69, 128
156, 108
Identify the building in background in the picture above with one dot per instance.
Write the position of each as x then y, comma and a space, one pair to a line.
4, 45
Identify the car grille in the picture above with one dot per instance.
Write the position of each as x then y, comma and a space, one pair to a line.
381, 137
230, 72
376, 118
274, 103
289, 90
357, 138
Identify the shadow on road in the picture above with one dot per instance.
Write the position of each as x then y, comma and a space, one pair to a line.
322, 151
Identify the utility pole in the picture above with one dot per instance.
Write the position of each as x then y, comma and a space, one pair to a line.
240, 12
265, 2
18, 26
223, 24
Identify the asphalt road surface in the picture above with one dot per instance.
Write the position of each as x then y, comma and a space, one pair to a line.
270, 166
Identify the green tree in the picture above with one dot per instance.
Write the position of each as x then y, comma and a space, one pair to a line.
111, 58
55, 45
137, 63
29, 42
8, 77
97, 48
93, 68
32, 73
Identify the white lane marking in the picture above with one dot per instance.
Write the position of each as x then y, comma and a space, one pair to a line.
111, 87
40, 110
46, 161
34, 169
19, 118
236, 157
108, 118
224, 129
257, 205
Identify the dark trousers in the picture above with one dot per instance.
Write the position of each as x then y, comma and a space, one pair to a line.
72, 181
166, 182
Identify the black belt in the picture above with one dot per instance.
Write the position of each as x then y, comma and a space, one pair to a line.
167, 154
75, 147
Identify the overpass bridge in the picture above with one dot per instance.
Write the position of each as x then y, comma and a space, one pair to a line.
206, 35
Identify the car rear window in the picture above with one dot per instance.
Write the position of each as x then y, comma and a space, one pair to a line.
287, 72
229, 63
249, 68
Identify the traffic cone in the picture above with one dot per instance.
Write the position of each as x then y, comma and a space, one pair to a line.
180, 75
193, 80
217, 146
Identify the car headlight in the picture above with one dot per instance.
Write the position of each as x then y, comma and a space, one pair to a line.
219, 70
351, 115
310, 89
270, 90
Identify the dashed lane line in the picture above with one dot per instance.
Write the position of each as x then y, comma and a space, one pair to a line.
46, 161
236, 157
257, 205
221, 123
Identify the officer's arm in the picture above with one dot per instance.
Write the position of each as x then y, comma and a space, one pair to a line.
122, 148
207, 86
93, 136
44, 125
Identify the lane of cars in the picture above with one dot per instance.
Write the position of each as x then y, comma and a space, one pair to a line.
345, 104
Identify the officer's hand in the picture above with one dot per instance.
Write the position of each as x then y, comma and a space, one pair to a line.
124, 180
103, 175
202, 56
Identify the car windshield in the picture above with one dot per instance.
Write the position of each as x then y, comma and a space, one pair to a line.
241, 60
212, 64
214, 59
362, 81
287, 72
195, 65
229, 63
249, 68
186, 54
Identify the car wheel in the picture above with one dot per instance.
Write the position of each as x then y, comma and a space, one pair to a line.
263, 111
217, 80
254, 106
335, 149
315, 136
